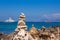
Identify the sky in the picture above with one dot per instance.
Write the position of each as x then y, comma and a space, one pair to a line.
34, 10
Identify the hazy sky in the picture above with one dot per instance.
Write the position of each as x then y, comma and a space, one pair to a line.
35, 10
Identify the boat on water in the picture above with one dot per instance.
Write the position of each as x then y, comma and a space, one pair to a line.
9, 20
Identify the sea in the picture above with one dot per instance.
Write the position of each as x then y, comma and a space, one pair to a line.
9, 27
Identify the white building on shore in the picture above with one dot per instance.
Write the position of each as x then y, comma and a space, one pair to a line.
9, 20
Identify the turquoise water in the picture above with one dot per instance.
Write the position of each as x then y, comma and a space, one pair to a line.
7, 28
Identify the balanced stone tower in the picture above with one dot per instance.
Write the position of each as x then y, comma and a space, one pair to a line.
21, 29
21, 23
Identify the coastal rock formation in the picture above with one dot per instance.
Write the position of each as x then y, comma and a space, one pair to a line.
44, 34
2, 36
56, 31
35, 34
21, 33
34, 31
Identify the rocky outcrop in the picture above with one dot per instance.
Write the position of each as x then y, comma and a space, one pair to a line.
34, 33
2, 36
21, 32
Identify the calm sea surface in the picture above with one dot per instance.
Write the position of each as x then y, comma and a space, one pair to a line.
7, 28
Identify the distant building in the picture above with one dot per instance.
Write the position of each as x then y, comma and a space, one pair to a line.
9, 20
